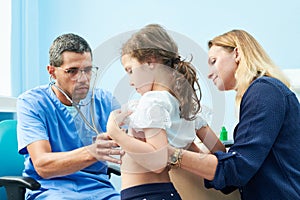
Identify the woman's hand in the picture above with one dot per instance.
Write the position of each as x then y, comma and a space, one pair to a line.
193, 147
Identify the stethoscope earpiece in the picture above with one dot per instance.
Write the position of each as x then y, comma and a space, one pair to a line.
51, 79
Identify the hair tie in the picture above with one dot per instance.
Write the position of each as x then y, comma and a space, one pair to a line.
175, 60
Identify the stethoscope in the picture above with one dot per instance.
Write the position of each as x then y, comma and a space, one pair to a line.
79, 104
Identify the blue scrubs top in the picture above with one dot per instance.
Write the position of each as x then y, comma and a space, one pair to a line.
41, 116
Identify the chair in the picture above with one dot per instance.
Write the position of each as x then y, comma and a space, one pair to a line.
12, 164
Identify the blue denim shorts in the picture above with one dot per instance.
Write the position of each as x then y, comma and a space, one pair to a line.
151, 191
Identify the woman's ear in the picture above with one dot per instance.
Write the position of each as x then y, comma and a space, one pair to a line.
237, 55
51, 71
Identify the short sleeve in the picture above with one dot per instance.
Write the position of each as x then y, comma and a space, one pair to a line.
200, 122
153, 111
30, 125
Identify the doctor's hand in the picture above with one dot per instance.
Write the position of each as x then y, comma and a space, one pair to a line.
107, 149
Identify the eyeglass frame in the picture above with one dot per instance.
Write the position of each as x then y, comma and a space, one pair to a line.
77, 69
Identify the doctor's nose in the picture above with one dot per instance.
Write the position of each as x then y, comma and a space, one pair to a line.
83, 77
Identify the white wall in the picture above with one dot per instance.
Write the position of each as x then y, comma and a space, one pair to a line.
5, 24
294, 77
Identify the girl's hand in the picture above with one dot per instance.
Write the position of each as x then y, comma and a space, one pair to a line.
115, 120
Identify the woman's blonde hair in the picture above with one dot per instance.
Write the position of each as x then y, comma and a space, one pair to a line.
153, 43
254, 61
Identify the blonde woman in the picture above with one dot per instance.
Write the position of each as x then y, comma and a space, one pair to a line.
264, 161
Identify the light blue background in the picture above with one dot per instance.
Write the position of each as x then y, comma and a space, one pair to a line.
36, 23
274, 23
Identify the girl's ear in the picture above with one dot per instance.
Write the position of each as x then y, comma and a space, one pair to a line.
237, 55
51, 71
151, 65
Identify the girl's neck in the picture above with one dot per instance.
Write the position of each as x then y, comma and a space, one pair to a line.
160, 87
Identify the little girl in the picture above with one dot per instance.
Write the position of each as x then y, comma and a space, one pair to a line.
167, 113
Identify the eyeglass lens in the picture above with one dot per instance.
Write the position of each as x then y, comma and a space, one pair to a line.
74, 72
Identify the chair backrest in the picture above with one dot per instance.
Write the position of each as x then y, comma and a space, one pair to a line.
12, 163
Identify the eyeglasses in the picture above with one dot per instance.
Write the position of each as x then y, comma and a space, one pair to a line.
74, 74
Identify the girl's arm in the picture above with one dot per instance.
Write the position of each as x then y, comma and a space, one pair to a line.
210, 139
152, 153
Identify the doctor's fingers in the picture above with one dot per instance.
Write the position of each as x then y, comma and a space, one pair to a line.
111, 155
110, 152
105, 144
109, 159
107, 147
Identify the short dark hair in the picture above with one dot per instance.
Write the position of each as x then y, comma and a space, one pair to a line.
67, 42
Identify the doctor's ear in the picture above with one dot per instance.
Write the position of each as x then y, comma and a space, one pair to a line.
237, 55
51, 71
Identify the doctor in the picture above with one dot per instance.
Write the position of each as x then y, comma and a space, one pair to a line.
52, 136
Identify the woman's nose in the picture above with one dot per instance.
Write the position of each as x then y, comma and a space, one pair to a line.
210, 74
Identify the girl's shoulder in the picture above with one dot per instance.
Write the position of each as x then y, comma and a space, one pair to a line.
159, 97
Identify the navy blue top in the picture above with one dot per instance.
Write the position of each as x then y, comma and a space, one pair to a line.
264, 162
